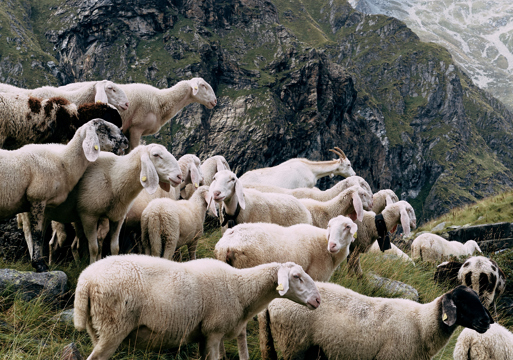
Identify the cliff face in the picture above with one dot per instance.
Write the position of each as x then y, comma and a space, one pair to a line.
293, 78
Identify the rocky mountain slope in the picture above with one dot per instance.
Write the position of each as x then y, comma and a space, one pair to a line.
293, 78
479, 34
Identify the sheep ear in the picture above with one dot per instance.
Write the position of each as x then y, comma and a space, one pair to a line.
101, 96
239, 190
220, 165
195, 177
283, 279
91, 145
194, 86
354, 229
388, 200
358, 206
211, 203
478, 248
149, 177
448, 310
405, 222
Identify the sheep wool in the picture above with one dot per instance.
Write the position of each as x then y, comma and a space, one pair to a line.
495, 344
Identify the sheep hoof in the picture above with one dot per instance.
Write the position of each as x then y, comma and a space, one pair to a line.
40, 265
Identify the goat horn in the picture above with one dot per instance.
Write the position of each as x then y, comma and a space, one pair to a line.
341, 152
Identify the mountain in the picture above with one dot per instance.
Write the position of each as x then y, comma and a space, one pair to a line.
478, 34
293, 78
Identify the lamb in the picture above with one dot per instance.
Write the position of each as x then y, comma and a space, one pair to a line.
431, 247
299, 173
151, 108
319, 251
495, 344
368, 232
157, 303
314, 193
107, 189
382, 198
39, 177
172, 224
349, 202
28, 120
351, 326
484, 276
93, 91
248, 205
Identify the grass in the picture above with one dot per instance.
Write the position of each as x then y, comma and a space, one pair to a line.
28, 330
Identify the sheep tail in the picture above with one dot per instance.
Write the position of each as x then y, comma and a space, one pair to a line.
151, 234
267, 349
82, 305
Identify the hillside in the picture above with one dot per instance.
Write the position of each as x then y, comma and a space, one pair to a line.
293, 78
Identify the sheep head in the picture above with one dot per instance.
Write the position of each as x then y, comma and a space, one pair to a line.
340, 233
99, 134
225, 185
159, 167
109, 93
296, 285
203, 93
344, 168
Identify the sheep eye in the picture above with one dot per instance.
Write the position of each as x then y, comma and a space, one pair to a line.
157, 155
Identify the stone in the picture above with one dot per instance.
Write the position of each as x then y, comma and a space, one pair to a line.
70, 352
438, 227
65, 316
51, 285
394, 287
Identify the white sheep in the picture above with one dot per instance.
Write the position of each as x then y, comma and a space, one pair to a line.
299, 173
150, 108
350, 202
37, 177
319, 251
431, 247
169, 224
382, 198
28, 120
248, 205
157, 303
209, 168
108, 187
495, 344
394, 214
352, 326
394, 250
314, 193
93, 91
484, 276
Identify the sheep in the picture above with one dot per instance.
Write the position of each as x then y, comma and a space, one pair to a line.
351, 202
38, 177
150, 108
382, 198
484, 276
157, 303
394, 250
315, 193
209, 168
107, 189
431, 247
351, 326
171, 224
299, 173
248, 205
318, 251
447, 272
28, 120
191, 174
495, 344
93, 91
399, 212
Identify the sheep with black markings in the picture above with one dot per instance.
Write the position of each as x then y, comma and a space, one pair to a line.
318, 251
157, 303
38, 177
394, 214
431, 247
352, 326
495, 344
104, 91
28, 120
249, 206
168, 224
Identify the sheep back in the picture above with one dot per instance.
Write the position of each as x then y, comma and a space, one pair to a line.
495, 344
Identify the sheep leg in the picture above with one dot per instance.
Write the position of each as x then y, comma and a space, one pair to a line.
134, 137
107, 345
24, 223
209, 347
115, 229
89, 226
192, 250
242, 344
37, 222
